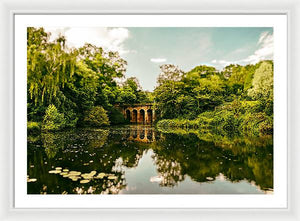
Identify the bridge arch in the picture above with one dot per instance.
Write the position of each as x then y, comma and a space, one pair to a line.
149, 116
142, 116
128, 115
134, 116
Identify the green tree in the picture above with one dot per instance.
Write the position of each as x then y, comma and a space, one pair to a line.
73, 80
209, 93
167, 98
169, 72
107, 66
131, 92
168, 90
49, 64
201, 71
262, 82
96, 117
53, 120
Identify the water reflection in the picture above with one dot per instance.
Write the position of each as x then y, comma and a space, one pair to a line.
141, 133
142, 159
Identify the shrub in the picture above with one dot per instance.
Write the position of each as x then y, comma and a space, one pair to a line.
115, 116
71, 119
233, 118
257, 124
205, 119
231, 123
96, 117
266, 126
53, 120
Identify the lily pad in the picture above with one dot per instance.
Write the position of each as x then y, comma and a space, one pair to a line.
93, 173
74, 178
75, 173
58, 168
100, 176
87, 176
66, 170
55, 171
84, 181
31, 180
112, 177
63, 173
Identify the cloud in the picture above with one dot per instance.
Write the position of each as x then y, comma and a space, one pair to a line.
222, 63
158, 60
265, 51
108, 38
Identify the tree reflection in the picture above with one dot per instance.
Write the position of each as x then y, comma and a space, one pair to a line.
170, 171
52, 143
202, 156
239, 159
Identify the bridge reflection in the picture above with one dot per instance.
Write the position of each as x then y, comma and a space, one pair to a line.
142, 134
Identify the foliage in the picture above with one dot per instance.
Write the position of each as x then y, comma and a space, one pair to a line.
115, 116
168, 90
96, 117
49, 65
106, 67
131, 93
186, 96
233, 118
74, 80
263, 82
237, 100
68, 87
33, 127
169, 72
53, 120
168, 99
257, 124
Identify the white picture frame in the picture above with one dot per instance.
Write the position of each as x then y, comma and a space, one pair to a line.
7, 208
278, 199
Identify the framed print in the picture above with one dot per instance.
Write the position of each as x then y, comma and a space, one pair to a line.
161, 111
143, 111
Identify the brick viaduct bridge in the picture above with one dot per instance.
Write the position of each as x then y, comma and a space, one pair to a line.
138, 113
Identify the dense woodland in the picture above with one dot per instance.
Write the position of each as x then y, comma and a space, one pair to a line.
70, 87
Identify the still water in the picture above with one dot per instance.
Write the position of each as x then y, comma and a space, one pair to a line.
140, 159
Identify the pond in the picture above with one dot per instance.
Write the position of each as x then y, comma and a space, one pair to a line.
141, 159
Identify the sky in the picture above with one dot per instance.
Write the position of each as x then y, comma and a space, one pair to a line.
145, 49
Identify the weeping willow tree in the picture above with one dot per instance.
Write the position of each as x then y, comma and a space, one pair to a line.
73, 80
49, 64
